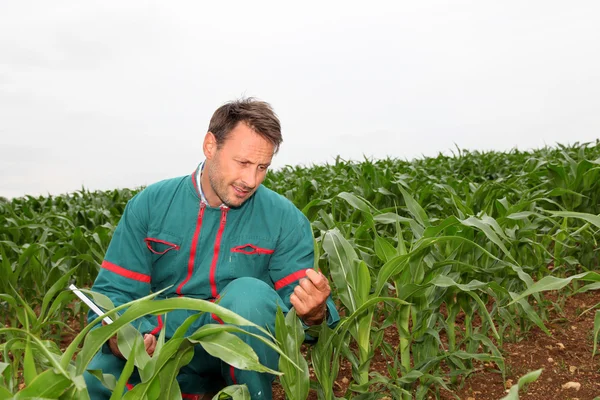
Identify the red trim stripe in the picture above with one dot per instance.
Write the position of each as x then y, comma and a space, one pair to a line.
213, 266
193, 249
289, 279
216, 318
191, 396
232, 374
159, 326
136, 276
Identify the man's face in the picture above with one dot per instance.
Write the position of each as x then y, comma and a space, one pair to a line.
237, 168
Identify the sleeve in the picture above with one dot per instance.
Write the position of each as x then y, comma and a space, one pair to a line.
125, 274
293, 255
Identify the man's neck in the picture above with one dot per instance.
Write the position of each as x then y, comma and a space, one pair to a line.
206, 190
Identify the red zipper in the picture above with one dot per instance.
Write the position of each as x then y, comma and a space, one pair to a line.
213, 266
193, 249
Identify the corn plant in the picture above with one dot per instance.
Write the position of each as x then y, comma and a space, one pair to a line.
290, 334
64, 378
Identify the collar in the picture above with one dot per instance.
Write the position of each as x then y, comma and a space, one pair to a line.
199, 183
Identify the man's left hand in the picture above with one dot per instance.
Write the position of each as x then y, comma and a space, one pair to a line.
310, 296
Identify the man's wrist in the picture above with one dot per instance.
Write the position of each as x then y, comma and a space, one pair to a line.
318, 319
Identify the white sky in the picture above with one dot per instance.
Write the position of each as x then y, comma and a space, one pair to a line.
112, 94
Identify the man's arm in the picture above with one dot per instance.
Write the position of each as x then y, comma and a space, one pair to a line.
294, 279
125, 273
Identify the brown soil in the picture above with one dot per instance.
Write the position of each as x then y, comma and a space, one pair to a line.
565, 356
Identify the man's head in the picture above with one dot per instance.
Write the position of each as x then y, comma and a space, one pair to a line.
239, 146
258, 115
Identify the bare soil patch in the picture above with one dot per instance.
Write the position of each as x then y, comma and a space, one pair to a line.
565, 356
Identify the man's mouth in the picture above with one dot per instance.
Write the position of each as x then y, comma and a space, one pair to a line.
240, 191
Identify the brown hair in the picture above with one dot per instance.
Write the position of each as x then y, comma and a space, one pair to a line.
258, 115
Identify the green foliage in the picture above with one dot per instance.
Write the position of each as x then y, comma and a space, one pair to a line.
65, 377
290, 334
526, 379
454, 253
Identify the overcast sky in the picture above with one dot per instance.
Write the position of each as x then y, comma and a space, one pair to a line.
111, 94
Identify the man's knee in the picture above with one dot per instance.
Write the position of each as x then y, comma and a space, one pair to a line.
252, 299
107, 363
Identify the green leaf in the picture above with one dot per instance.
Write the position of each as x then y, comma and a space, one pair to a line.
530, 377
342, 259
554, 283
234, 351
325, 360
290, 334
233, 392
3, 367
49, 384
39, 346
29, 370
164, 384
5, 378
211, 329
469, 289
5, 394
596, 331
530, 312
384, 249
54, 289
390, 218
100, 299
108, 381
127, 338
355, 202
591, 218
415, 209
136, 309
124, 378
488, 230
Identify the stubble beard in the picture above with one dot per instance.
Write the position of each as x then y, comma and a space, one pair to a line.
220, 187
217, 185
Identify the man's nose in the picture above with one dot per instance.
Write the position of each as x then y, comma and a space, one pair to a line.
250, 177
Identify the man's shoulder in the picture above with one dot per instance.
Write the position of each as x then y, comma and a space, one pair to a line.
167, 185
279, 207
273, 199
160, 191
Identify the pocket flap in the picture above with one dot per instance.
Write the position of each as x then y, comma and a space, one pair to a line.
162, 243
251, 249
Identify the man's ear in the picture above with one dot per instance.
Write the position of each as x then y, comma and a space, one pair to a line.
210, 145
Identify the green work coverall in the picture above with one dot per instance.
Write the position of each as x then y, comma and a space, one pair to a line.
250, 258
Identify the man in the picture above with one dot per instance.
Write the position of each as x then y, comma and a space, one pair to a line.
217, 234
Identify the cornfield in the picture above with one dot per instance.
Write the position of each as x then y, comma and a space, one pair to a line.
406, 244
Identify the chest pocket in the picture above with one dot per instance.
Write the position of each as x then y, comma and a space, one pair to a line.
165, 252
250, 258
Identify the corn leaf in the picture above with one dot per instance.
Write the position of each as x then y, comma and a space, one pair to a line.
596, 332
49, 384
528, 378
233, 392
290, 334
